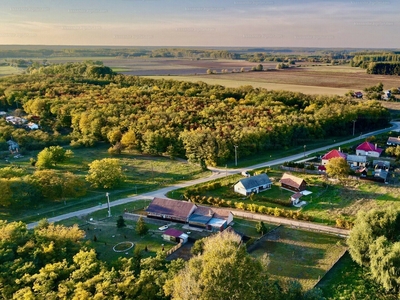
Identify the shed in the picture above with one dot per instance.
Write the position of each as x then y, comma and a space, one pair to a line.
175, 235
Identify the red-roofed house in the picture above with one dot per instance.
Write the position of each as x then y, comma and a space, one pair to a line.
368, 149
332, 154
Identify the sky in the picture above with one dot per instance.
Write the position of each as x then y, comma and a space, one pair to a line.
207, 23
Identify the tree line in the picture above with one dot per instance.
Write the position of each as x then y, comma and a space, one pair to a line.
86, 103
378, 63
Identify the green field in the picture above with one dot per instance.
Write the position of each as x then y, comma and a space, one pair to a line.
300, 255
8, 70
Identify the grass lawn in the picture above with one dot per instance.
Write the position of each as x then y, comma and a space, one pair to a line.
143, 174
347, 280
248, 227
301, 255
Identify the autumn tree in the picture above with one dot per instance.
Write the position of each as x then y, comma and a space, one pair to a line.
223, 271
105, 173
337, 167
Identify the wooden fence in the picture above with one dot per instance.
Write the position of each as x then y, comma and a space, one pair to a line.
173, 249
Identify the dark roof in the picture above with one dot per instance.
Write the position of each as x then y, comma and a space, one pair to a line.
170, 207
203, 219
173, 232
297, 195
255, 181
291, 180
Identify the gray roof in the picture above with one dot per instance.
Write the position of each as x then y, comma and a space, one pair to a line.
255, 181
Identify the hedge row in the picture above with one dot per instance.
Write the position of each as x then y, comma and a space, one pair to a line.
277, 212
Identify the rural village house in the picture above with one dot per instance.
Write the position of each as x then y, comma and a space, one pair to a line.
393, 141
292, 183
210, 218
357, 160
368, 149
332, 154
253, 184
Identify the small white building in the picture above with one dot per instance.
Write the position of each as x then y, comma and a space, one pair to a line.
253, 184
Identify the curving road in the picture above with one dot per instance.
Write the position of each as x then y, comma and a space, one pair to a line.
218, 173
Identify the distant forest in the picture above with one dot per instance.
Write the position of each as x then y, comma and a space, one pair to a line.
378, 63
86, 103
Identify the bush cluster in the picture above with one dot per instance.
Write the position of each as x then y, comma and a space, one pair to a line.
345, 224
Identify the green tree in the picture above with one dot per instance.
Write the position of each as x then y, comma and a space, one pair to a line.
52, 156
141, 227
374, 243
121, 222
338, 167
261, 228
105, 173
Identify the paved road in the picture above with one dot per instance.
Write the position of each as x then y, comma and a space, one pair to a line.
217, 173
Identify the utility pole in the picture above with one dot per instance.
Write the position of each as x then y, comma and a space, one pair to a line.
108, 204
304, 150
354, 126
236, 154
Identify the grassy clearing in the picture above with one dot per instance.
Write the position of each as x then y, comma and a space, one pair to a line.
143, 174
301, 255
347, 280
8, 70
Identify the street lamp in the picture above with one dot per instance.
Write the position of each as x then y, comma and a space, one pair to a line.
354, 126
304, 150
235, 154
108, 204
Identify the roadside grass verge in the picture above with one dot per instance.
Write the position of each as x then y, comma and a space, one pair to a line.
299, 254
